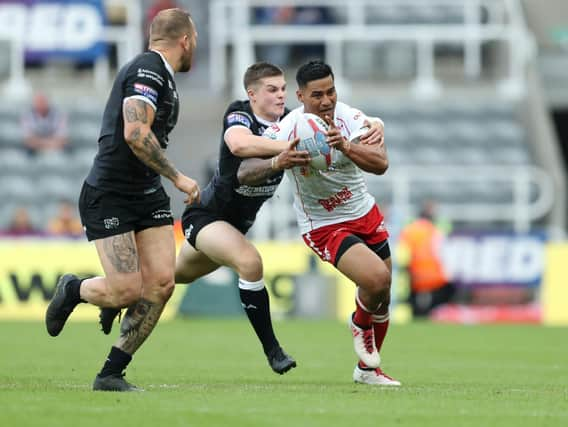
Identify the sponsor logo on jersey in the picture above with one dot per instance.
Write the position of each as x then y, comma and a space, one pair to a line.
146, 91
111, 223
337, 199
260, 191
149, 74
238, 118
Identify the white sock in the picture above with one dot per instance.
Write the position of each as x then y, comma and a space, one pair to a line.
245, 285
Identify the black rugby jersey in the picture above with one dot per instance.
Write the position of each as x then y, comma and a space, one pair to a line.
224, 194
116, 168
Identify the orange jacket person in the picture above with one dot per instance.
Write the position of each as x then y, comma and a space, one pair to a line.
429, 283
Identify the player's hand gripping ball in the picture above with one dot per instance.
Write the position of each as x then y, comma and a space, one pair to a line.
312, 132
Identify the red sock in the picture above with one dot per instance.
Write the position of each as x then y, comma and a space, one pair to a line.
363, 317
380, 330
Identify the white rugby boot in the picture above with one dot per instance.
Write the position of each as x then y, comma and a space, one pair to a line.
373, 377
364, 344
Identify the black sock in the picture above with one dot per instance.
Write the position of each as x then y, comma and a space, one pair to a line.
74, 287
363, 367
257, 307
116, 362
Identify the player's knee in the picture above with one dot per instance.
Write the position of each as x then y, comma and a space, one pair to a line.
385, 304
162, 285
166, 290
249, 265
379, 283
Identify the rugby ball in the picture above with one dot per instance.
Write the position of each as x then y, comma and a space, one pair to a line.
355, 137
312, 131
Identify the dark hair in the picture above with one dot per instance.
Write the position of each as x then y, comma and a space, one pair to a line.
313, 70
170, 24
259, 71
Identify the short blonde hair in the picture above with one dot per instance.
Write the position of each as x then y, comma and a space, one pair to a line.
169, 25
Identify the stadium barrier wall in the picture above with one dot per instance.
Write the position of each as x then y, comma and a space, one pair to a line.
554, 295
29, 269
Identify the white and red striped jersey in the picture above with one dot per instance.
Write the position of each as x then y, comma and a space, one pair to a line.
330, 196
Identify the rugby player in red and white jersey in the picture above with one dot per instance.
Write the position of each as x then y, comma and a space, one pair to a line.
338, 217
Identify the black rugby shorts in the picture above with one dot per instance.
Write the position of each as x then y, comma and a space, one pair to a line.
196, 216
105, 214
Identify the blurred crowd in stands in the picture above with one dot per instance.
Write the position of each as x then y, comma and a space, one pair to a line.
44, 130
45, 133
285, 54
44, 126
65, 223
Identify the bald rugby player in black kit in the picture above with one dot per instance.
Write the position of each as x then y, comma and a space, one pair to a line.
123, 205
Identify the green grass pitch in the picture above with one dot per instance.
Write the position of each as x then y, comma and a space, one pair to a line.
211, 372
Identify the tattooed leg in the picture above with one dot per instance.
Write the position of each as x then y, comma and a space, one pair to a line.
122, 284
138, 323
156, 250
121, 252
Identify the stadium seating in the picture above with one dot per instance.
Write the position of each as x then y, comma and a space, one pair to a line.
456, 134
13, 161
38, 182
11, 134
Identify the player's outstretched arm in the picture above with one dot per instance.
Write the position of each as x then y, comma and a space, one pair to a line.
369, 157
138, 118
243, 143
255, 171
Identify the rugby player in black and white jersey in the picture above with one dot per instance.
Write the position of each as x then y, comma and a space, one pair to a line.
215, 227
123, 205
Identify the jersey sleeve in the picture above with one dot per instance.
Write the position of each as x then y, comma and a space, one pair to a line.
237, 118
144, 81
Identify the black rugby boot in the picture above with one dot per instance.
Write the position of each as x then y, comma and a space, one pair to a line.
106, 318
279, 361
113, 382
60, 306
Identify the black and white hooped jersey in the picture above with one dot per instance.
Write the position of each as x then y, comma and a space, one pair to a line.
149, 78
224, 194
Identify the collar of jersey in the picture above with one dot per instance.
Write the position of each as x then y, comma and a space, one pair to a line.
166, 63
264, 122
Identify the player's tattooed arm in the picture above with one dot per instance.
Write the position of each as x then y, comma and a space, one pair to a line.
138, 118
255, 171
